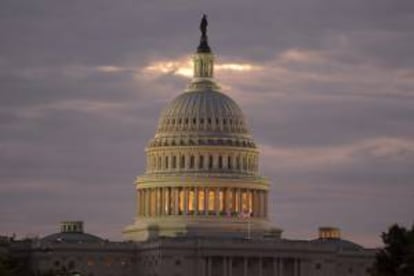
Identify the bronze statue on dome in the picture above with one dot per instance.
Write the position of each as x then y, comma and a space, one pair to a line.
203, 25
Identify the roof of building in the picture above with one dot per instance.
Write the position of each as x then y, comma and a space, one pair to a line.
340, 244
72, 237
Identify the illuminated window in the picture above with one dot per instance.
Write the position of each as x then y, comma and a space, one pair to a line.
221, 201
191, 200
181, 201
201, 196
167, 201
245, 202
229, 199
211, 198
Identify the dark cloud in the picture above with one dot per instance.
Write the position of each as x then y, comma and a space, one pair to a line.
331, 106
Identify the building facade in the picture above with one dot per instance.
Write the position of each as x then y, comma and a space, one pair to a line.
202, 206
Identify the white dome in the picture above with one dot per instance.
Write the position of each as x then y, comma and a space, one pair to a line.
202, 117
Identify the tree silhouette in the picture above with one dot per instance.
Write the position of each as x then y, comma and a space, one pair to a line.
397, 256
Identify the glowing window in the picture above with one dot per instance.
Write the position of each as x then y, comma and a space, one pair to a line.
221, 201
167, 201
191, 200
181, 200
229, 199
201, 197
211, 202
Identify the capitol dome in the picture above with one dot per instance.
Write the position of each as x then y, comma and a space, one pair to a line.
202, 171
202, 111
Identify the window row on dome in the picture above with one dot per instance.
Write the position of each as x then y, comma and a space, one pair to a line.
201, 123
202, 201
166, 142
189, 161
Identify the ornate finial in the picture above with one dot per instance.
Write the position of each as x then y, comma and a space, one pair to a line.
203, 47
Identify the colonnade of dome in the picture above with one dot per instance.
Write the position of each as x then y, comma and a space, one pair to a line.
199, 160
201, 201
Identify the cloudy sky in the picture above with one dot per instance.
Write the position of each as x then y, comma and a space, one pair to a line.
327, 87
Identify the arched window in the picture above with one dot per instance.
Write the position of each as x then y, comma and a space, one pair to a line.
210, 162
166, 162
174, 162
192, 162
182, 161
201, 162
238, 162
229, 165
220, 162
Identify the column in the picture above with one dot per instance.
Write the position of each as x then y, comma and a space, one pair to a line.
275, 271
224, 266
280, 267
245, 267
206, 190
162, 204
138, 194
254, 199
230, 266
157, 202
195, 200
226, 197
147, 202
176, 200
239, 197
261, 202
295, 267
186, 200
209, 272
217, 201
298, 264
260, 264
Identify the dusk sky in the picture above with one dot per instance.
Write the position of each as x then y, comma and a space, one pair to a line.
327, 88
